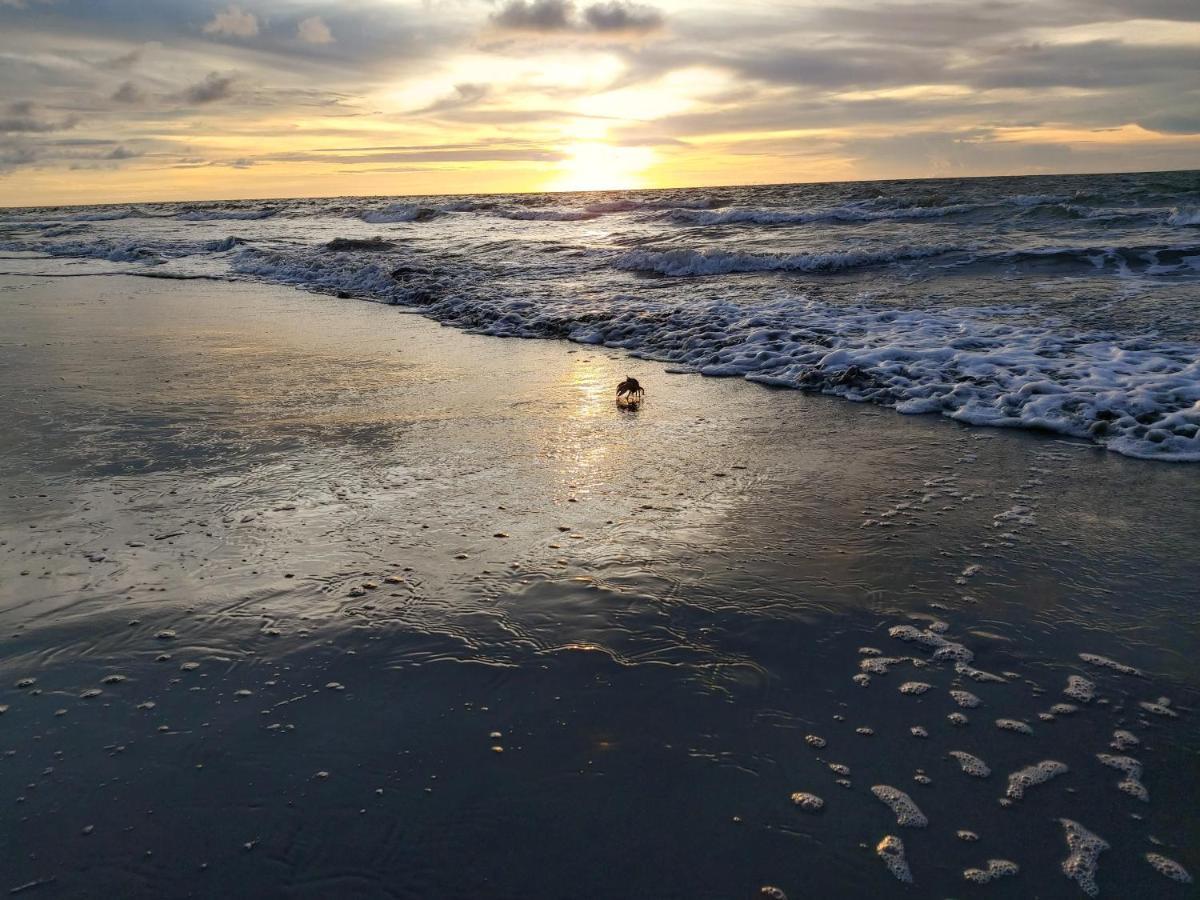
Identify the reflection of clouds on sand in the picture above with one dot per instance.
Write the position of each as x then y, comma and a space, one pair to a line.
375, 561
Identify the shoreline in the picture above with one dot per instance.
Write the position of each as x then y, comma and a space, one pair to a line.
651, 610
869, 391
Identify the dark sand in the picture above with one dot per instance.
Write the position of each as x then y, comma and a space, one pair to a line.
678, 598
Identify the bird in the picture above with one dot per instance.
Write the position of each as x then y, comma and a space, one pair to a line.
630, 389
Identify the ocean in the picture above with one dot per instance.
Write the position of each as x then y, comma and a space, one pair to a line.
1068, 304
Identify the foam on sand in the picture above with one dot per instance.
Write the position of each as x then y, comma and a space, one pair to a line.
1132, 783
1160, 707
1169, 867
808, 802
978, 674
1083, 862
891, 851
996, 868
1079, 688
1013, 725
971, 765
915, 688
1105, 663
908, 814
1038, 773
1124, 740
965, 699
943, 649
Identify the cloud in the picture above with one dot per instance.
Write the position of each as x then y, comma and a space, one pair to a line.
464, 94
22, 118
545, 16
538, 15
314, 31
215, 86
1172, 123
233, 22
616, 16
124, 60
121, 152
128, 92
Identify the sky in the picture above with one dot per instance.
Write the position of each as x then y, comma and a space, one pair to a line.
128, 100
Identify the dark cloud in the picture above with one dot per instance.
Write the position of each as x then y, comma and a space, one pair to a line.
1186, 122
483, 151
622, 17
215, 86
16, 153
124, 60
537, 15
610, 18
839, 67
128, 92
1095, 64
120, 152
22, 119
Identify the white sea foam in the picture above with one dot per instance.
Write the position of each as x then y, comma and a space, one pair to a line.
908, 814
1169, 868
1030, 776
1132, 783
808, 802
1185, 216
1079, 688
1105, 663
1083, 861
685, 261
971, 765
965, 699
996, 868
891, 851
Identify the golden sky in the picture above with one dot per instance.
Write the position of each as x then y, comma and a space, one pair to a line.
192, 99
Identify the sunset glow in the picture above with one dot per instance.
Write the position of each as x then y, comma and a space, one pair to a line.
129, 101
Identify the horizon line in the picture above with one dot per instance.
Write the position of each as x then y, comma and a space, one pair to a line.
695, 187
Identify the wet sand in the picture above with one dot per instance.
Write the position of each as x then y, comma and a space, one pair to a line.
320, 599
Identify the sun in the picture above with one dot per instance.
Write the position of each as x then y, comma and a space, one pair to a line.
596, 166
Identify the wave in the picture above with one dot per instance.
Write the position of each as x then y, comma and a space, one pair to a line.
1184, 216
687, 262
740, 215
601, 208
370, 245
1135, 260
1000, 367
144, 251
217, 215
400, 212
626, 205
1132, 260
102, 215
548, 214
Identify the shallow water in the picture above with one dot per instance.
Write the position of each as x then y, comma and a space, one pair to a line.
1060, 303
647, 612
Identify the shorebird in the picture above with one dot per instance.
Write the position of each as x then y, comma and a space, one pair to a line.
630, 389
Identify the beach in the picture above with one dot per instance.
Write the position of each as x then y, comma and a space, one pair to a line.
311, 597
